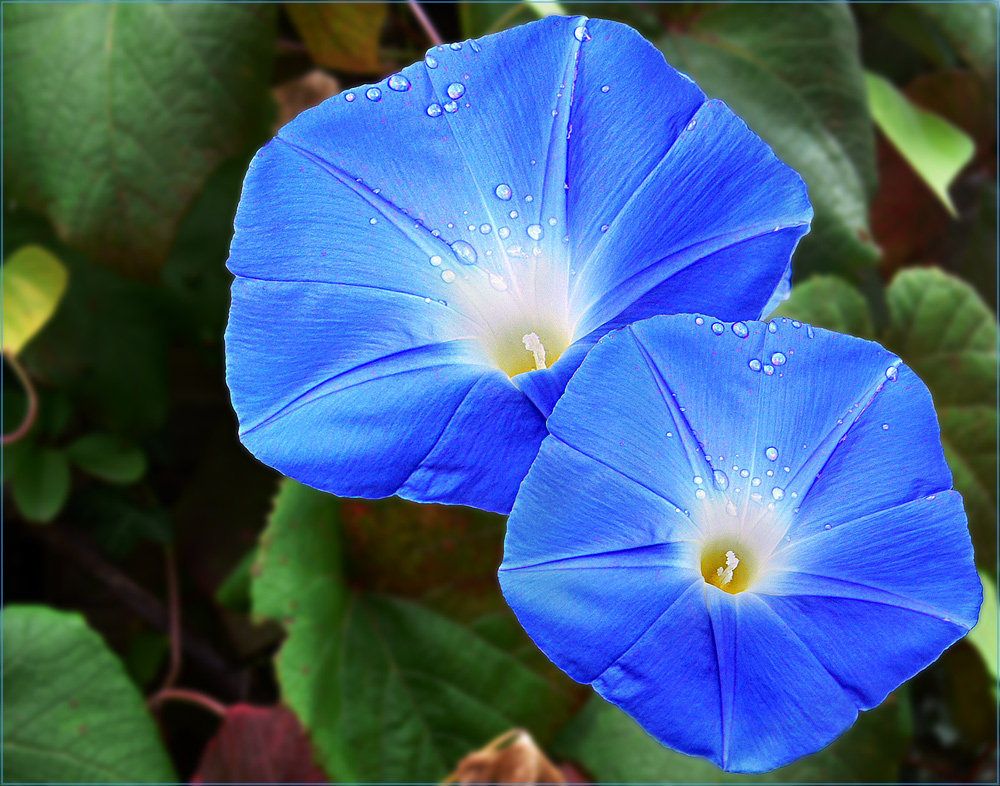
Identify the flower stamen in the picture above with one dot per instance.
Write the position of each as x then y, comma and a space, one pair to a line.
534, 345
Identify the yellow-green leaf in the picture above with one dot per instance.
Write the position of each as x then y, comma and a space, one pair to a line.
935, 148
343, 36
33, 284
984, 636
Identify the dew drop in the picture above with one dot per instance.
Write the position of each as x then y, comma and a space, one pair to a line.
448, 276
754, 365
809, 332
744, 473
373, 94
755, 482
455, 46
741, 329
465, 252
796, 324
472, 227
717, 328
604, 227
605, 88
827, 526
700, 494
772, 327
582, 34
456, 90
529, 198
485, 229
399, 83
891, 373
770, 473
670, 433
503, 191
772, 454
513, 214
436, 260
699, 321
348, 97
474, 44
768, 369
778, 493
535, 232
451, 107
497, 283
778, 359
427, 300
885, 427
504, 232
434, 110
552, 222
698, 479
787, 469
430, 61
721, 479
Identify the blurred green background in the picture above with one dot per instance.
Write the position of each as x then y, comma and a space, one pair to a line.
174, 611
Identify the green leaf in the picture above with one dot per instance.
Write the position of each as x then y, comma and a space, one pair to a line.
613, 748
343, 36
71, 714
943, 331
40, 484
795, 77
971, 28
831, 303
389, 690
935, 148
108, 458
984, 636
33, 284
115, 113
234, 592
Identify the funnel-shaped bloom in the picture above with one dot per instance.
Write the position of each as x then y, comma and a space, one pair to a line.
741, 534
422, 264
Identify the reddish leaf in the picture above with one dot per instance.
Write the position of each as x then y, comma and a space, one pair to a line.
258, 745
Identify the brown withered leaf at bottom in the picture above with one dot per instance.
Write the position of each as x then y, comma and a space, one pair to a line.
512, 758
258, 745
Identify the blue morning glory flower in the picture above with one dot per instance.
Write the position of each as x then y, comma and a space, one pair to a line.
741, 534
422, 264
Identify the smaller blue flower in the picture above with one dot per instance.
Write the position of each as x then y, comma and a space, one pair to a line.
741, 534
421, 265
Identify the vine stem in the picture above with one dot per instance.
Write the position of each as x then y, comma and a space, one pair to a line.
174, 607
425, 23
29, 388
188, 696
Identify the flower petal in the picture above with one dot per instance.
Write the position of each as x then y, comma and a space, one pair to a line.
847, 596
445, 214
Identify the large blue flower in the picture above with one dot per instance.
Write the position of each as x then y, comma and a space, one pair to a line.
422, 264
741, 534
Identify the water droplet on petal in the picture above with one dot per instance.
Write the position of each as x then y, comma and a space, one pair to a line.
529, 198
485, 229
698, 479
778, 493
772, 327
744, 473
434, 110
451, 107
741, 329
582, 34
448, 276
497, 283
885, 427
430, 61
503, 191
535, 232
604, 227
827, 526
465, 252
770, 473
399, 83
755, 482
373, 221
809, 331
778, 359
891, 373
455, 46
717, 328
772, 454
796, 324
754, 365
700, 494
436, 260
513, 214
699, 321
456, 90
348, 97
768, 369
373, 94
552, 222
605, 88
721, 479
504, 232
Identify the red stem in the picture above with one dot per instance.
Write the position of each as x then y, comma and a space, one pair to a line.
32, 413
425, 23
188, 696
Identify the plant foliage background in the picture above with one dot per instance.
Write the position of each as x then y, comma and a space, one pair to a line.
176, 611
